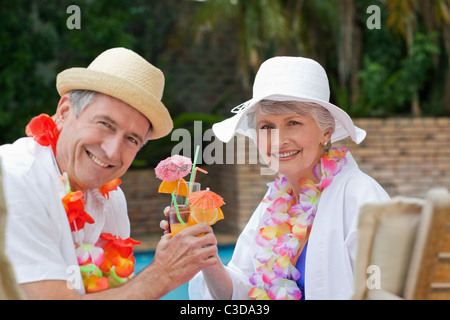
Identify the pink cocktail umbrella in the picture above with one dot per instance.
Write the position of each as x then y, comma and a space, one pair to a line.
173, 168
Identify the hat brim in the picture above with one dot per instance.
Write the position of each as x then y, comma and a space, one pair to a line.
344, 126
122, 89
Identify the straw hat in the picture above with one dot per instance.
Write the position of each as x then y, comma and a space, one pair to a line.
125, 75
289, 79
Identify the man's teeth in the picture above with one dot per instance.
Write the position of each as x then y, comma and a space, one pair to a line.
98, 161
286, 154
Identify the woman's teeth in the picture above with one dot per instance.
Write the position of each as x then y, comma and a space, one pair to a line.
97, 160
286, 154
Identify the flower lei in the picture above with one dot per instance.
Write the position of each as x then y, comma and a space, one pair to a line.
276, 275
108, 263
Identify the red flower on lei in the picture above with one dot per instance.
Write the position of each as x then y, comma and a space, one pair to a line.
117, 263
43, 130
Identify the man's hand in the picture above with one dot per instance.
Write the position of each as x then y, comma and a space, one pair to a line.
183, 256
176, 261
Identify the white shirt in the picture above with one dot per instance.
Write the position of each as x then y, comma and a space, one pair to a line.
331, 246
39, 242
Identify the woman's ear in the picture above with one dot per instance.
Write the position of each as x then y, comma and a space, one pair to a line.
327, 136
63, 110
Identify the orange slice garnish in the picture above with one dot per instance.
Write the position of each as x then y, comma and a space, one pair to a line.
208, 216
180, 187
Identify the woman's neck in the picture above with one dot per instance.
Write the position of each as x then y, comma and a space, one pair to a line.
294, 179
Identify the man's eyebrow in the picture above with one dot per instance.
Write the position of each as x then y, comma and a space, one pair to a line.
139, 138
113, 122
105, 118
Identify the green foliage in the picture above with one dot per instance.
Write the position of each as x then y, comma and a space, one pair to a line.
36, 45
388, 86
25, 53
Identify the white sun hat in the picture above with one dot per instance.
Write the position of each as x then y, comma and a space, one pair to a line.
289, 79
125, 75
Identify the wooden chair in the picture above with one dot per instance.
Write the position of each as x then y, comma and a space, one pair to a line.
404, 248
9, 289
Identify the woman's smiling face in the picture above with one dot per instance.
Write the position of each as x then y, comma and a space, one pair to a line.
290, 143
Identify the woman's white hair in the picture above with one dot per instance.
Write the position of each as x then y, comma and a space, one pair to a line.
321, 115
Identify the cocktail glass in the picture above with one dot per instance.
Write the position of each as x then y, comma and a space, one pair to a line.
179, 221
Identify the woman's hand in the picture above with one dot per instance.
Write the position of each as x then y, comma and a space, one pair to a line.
181, 257
216, 276
164, 224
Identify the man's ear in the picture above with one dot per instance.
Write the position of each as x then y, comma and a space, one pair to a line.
63, 111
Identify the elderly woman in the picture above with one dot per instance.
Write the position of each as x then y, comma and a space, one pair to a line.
301, 240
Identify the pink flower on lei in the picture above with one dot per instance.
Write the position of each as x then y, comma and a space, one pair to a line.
277, 188
89, 253
287, 245
173, 168
330, 165
284, 268
279, 209
284, 289
265, 274
267, 246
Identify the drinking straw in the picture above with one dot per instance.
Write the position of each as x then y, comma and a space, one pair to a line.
177, 210
67, 183
192, 172
195, 174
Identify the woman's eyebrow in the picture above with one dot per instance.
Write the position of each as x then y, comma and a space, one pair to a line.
264, 121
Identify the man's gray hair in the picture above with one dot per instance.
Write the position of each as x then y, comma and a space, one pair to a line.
81, 99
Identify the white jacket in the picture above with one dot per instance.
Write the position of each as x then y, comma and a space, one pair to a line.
39, 242
331, 245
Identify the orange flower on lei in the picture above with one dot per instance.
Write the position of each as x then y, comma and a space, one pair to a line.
74, 204
118, 254
108, 187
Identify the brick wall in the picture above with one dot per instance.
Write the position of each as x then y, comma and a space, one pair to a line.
406, 156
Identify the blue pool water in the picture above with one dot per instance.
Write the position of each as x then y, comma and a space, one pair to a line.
143, 259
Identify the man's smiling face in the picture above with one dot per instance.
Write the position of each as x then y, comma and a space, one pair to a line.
100, 144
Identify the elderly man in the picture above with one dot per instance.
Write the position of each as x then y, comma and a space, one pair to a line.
68, 230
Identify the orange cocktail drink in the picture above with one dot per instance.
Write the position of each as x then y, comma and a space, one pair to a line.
175, 224
179, 221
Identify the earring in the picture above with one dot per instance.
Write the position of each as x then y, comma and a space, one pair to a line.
325, 143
